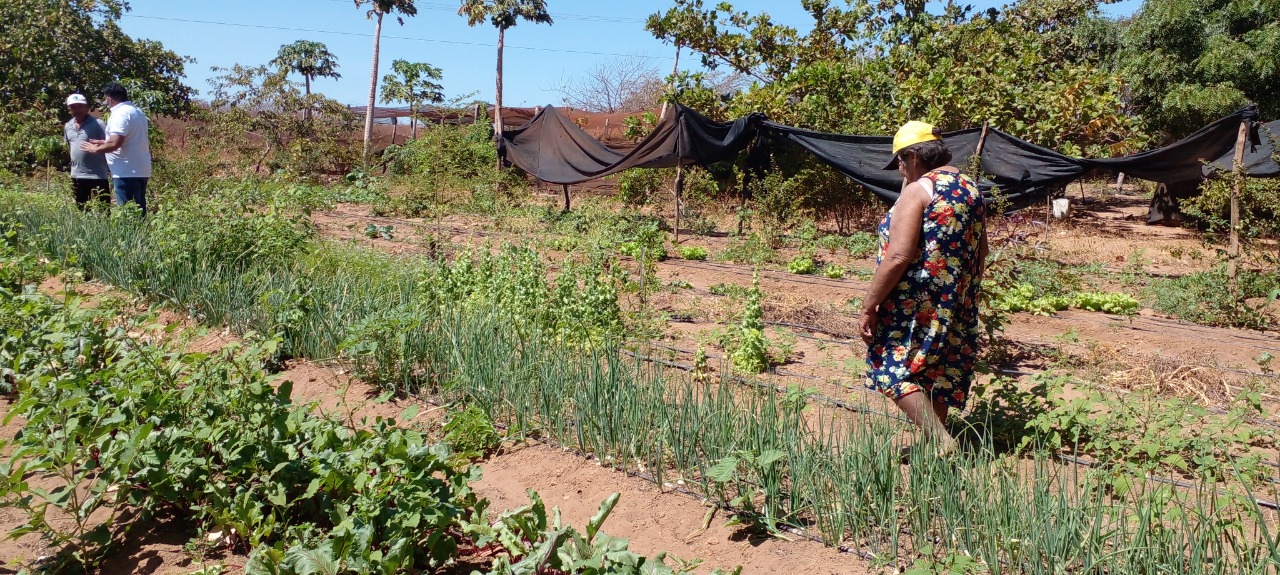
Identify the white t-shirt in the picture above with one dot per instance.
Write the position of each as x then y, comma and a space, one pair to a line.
133, 158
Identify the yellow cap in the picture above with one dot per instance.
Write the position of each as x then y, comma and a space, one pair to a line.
911, 133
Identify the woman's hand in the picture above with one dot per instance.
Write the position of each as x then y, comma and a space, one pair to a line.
867, 324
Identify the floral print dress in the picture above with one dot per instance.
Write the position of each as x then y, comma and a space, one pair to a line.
926, 339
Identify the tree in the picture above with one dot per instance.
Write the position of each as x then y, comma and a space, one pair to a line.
629, 84
51, 48
308, 58
378, 9
503, 14
1189, 62
255, 111
413, 83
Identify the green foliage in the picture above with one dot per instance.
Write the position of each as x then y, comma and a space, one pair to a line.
1141, 433
376, 231
748, 349
638, 186
754, 249
833, 271
413, 83
1206, 298
1259, 202
862, 68
731, 290
803, 264
445, 153
52, 48
1113, 303
693, 253
470, 434
1189, 62
835, 476
308, 58
265, 118
288, 483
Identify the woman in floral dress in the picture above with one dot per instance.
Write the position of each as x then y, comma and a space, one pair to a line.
920, 315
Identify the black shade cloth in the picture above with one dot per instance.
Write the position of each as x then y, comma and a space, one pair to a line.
1185, 159
554, 149
862, 158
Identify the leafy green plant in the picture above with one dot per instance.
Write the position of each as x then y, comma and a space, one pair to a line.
1113, 302
693, 253
802, 264
748, 348
833, 271
727, 289
470, 434
1204, 298
376, 231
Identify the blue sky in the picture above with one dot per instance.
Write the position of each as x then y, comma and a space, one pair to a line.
538, 59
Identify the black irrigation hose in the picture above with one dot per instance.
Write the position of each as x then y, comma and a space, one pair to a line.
1168, 481
823, 399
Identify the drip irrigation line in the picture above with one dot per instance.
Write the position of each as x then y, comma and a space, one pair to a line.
770, 274
1168, 481
823, 399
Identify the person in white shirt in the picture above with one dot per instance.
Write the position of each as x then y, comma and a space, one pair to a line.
126, 146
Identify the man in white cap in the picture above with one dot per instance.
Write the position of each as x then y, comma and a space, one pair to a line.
88, 169
126, 146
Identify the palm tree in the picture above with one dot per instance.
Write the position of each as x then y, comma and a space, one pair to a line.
378, 9
311, 59
503, 14
412, 84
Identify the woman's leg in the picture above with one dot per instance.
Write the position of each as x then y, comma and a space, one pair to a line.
929, 416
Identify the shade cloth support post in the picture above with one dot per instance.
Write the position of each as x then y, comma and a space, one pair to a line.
674, 69
1237, 167
679, 189
982, 141
566, 198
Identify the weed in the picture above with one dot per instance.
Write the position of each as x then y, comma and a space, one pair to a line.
470, 434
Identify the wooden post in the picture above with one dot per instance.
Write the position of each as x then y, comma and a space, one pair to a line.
1237, 167
982, 141
475, 113
674, 69
679, 189
566, 198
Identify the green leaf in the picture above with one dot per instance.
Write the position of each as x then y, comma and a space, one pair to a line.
606, 507
724, 470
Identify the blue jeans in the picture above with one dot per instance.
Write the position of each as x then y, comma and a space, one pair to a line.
132, 190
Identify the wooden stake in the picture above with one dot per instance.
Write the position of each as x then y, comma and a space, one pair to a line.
1120, 183
566, 198
1237, 166
982, 141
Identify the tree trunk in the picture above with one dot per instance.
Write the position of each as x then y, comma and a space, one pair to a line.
497, 110
373, 87
308, 79
413, 119
395, 127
